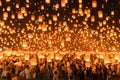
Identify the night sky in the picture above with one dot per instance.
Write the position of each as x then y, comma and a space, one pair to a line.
69, 14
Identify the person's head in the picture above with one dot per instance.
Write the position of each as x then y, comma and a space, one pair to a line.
55, 72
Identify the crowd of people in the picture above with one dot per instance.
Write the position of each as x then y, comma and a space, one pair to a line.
66, 69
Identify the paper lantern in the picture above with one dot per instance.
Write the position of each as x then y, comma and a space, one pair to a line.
5, 15
23, 9
107, 59
40, 18
0, 3
33, 61
87, 64
100, 14
8, 8
27, 57
1, 55
87, 57
54, 17
20, 15
44, 27
32, 17
7, 0
94, 3
13, 16
47, 1
63, 4
80, 1
68, 38
112, 13
30, 36
81, 11
24, 45
92, 18
17, 5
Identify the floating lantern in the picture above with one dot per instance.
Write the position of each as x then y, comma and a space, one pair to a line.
33, 61
40, 18
47, 1
54, 17
87, 57
0, 3
94, 3
20, 15
32, 17
5, 15
112, 13
92, 18
63, 4
44, 27
13, 16
17, 5
30, 36
68, 38
100, 14
24, 45
8, 8
23, 9
27, 57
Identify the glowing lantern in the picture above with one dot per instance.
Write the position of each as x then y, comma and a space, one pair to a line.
87, 57
42, 7
87, 64
104, 22
0, 3
25, 14
30, 36
40, 18
107, 59
94, 3
63, 4
20, 15
80, 1
5, 15
73, 11
23, 10
100, 14
56, 6
81, 12
47, 1
54, 17
32, 17
92, 18
44, 27
27, 57
33, 61
1, 55
17, 5
8, 8
7, 0
112, 13
18, 63
13, 16
68, 38
24, 45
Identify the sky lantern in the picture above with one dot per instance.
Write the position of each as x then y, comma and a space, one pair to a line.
112, 13
54, 17
44, 27
87, 57
24, 44
92, 18
20, 15
68, 38
30, 36
81, 11
5, 15
100, 14
7, 0
94, 3
32, 17
63, 4
17, 5
40, 18
13, 16
57, 6
107, 59
80, 1
23, 9
0, 3
33, 61
8, 8
47, 1
27, 56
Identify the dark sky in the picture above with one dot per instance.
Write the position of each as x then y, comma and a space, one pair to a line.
64, 14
